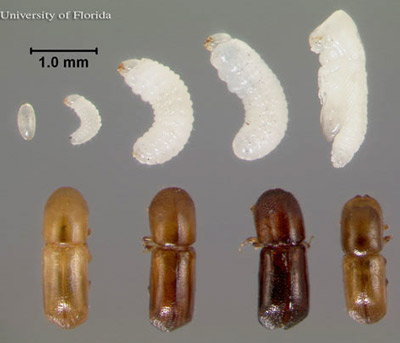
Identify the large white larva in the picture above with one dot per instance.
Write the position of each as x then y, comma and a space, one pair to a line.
89, 116
249, 77
173, 113
26, 121
342, 81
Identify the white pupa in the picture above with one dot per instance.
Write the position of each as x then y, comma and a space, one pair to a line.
26, 119
89, 116
249, 77
342, 81
170, 100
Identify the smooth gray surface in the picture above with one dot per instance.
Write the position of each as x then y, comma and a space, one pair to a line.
118, 189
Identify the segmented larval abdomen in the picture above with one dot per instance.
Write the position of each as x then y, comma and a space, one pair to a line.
173, 113
342, 81
248, 76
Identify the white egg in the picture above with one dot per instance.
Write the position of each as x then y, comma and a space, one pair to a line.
26, 121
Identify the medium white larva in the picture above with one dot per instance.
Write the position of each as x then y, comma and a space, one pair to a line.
342, 81
26, 121
89, 116
249, 77
173, 113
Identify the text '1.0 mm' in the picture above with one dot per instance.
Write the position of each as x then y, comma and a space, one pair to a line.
63, 62
55, 62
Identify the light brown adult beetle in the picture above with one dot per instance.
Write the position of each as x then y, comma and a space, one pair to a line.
65, 258
364, 269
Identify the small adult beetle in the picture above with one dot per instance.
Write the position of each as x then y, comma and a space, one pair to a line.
172, 276
283, 299
65, 258
364, 269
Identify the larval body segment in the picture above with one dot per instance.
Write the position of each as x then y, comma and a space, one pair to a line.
26, 119
249, 77
173, 113
342, 81
89, 116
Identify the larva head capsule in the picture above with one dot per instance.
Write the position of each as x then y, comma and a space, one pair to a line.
126, 66
71, 99
214, 40
65, 217
172, 218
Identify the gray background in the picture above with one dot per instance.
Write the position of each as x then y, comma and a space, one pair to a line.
118, 189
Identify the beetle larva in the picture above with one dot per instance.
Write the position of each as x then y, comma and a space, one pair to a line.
364, 269
249, 77
170, 100
65, 258
26, 121
89, 116
342, 81
283, 276
172, 277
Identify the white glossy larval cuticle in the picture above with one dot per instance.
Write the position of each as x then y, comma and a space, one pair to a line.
173, 114
89, 116
342, 81
26, 119
249, 77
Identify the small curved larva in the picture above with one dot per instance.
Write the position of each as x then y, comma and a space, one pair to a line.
249, 77
26, 121
342, 81
89, 116
173, 113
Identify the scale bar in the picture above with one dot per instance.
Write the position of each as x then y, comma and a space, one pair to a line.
96, 50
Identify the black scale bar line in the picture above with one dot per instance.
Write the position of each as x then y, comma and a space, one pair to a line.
96, 50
